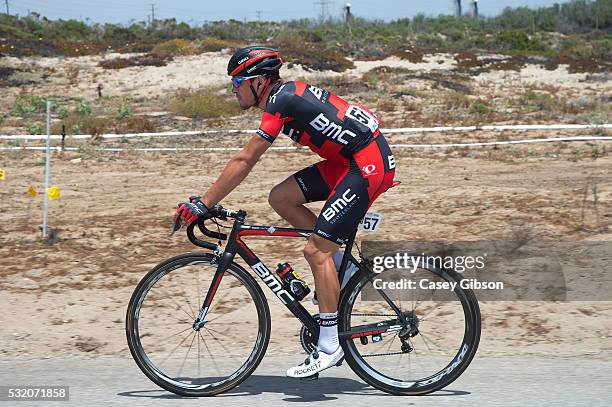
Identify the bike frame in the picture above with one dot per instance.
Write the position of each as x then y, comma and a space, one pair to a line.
235, 245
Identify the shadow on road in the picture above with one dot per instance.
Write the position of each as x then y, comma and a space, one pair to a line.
325, 389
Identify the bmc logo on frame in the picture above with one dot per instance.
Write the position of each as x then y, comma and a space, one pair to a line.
272, 282
338, 205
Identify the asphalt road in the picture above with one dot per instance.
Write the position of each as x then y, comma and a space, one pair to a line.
517, 381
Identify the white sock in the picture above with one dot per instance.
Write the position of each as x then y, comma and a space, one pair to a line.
328, 332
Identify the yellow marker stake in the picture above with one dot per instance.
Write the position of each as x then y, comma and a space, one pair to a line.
2, 174
31, 191
54, 192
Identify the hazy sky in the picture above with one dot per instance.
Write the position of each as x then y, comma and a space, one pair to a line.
192, 11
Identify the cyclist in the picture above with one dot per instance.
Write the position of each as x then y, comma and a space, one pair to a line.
358, 166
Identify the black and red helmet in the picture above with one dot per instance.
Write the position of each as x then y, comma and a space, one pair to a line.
254, 60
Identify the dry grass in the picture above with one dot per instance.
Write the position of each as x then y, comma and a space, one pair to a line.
203, 103
78, 124
140, 60
176, 47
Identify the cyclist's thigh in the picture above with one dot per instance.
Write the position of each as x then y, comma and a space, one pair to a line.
287, 192
345, 207
318, 180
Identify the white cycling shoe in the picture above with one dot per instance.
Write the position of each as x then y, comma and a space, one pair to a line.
316, 362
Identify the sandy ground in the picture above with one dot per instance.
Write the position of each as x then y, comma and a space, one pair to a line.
113, 218
70, 297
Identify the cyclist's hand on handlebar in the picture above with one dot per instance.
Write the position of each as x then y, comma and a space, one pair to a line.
192, 211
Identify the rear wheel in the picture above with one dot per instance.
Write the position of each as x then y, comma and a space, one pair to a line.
422, 351
192, 361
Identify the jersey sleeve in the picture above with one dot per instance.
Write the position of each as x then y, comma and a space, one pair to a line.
277, 113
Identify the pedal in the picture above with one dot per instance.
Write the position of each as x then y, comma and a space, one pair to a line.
310, 378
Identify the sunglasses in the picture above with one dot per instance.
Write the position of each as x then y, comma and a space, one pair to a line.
237, 80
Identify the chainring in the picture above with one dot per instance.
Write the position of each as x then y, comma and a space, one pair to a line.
309, 343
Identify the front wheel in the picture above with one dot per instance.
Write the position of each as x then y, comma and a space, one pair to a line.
405, 339
189, 359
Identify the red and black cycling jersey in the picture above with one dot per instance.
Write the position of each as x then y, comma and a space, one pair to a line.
318, 119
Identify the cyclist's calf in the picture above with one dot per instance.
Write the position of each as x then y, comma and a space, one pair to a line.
318, 253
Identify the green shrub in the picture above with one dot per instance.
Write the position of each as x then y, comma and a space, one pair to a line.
176, 47
35, 128
479, 107
62, 111
76, 124
203, 103
514, 40
456, 100
26, 105
83, 108
532, 101
123, 111
211, 44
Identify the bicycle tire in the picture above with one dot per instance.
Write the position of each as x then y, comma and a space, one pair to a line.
427, 385
141, 358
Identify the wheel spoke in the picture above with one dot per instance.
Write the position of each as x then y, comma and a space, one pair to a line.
210, 354
186, 354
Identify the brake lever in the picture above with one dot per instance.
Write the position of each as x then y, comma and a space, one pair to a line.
177, 222
177, 226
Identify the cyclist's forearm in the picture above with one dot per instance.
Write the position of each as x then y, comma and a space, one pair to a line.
234, 172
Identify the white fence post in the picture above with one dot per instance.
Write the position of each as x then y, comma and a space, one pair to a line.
47, 171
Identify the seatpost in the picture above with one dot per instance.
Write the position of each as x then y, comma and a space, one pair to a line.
347, 252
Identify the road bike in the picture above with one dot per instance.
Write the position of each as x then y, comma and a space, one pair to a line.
198, 324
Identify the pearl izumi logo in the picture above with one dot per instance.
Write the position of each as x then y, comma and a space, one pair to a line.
331, 129
338, 205
369, 170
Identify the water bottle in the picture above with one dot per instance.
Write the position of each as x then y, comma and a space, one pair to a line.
292, 282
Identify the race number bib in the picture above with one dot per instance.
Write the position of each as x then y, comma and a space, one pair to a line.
363, 117
370, 222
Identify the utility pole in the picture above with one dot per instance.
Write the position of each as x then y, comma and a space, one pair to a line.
475, 8
7, 8
258, 15
323, 4
152, 12
347, 14
457, 8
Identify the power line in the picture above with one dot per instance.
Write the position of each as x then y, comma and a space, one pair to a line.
324, 9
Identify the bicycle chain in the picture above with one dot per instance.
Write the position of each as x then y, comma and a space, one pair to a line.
383, 354
374, 315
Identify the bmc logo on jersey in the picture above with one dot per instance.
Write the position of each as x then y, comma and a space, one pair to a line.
331, 129
338, 205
